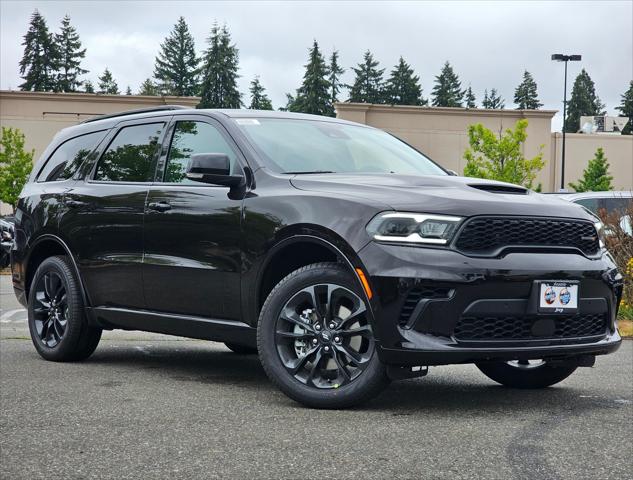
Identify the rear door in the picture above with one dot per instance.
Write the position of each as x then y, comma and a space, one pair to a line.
104, 223
192, 256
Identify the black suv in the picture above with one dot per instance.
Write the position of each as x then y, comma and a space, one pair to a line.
341, 255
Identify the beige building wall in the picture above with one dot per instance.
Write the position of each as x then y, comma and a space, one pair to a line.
40, 115
580, 148
441, 133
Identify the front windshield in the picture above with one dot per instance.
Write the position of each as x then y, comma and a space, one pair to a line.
312, 146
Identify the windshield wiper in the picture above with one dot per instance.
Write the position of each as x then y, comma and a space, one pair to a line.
307, 173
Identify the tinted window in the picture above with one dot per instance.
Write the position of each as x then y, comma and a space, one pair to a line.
619, 205
68, 157
191, 138
592, 204
129, 156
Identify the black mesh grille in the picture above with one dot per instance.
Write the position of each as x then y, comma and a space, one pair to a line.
520, 328
418, 293
488, 235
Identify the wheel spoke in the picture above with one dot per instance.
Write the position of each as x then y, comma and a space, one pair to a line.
341, 368
57, 328
292, 317
300, 362
293, 335
315, 366
40, 297
355, 358
360, 310
48, 286
364, 331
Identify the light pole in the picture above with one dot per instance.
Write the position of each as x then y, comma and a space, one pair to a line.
559, 57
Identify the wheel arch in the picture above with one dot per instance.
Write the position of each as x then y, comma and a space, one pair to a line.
46, 246
297, 250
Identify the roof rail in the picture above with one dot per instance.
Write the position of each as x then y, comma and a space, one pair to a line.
134, 112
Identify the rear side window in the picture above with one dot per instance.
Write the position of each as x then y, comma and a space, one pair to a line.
619, 205
68, 157
129, 157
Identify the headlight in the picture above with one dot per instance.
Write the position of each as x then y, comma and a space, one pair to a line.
601, 231
413, 228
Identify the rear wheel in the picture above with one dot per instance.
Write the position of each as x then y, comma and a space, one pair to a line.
526, 373
315, 339
240, 349
57, 321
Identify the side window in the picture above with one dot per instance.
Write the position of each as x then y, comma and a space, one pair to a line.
619, 205
129, 157
68, 157
189, 138
589, 203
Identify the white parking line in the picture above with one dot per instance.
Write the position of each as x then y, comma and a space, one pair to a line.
6, 316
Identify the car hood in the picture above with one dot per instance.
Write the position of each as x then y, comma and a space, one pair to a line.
451, 195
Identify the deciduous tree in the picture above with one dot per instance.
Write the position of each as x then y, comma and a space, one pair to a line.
15, 165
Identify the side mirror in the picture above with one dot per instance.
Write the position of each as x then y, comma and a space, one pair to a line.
213, 168
452, 173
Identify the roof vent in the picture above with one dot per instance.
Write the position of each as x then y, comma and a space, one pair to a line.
493, 188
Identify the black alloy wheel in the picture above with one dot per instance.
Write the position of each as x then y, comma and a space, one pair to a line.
50, 311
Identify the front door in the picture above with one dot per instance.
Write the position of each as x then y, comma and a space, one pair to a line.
104, 219
192, 255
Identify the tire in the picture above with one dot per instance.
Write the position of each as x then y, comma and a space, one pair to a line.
341, 368
57, 320
241, 349
518, 375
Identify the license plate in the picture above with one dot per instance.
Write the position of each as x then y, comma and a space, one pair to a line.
558, 297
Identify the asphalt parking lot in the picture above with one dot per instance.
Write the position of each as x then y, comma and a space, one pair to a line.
152, 406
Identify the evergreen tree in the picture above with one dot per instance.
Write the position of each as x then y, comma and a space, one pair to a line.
335, 77
219, 73
626, 109
469, 98
314, 95
176, 66
128, 90
583, 101
525, 95
595, 178
148, 88
493, 101
40, 59
89, 87
70, 54
403, 87
368, 84
447, 90
107, 84
259, 99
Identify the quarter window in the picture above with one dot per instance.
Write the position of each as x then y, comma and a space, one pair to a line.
68, 157
189, 139
129, 157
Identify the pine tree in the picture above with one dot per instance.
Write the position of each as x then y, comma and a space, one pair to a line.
259, 99
128, 90
70, 54
148, 88
314, 95
447, 90
219, 73
335, 77
525, 95
368, 85
403, 86
583, 101
107, 84
40, 59
595, 178
176, 66
493, 101
89, 87
626, 109
469, 98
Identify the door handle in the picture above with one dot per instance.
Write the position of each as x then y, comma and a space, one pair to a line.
74, 203
159, 206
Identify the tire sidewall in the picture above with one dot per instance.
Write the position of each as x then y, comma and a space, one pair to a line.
369, 380
69, 341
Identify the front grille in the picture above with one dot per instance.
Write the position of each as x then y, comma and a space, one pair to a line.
490, 235
418, 293
520, 328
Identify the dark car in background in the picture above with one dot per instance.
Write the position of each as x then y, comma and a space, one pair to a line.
7, 229
341, 255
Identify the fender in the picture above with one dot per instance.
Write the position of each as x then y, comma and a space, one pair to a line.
56, 239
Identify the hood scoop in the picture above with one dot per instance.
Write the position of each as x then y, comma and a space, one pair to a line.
496, 188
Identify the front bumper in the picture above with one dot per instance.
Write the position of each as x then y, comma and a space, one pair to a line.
423, 297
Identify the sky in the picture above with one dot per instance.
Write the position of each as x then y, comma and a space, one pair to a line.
489, 44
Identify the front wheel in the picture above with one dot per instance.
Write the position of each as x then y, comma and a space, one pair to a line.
526, 374
315, 340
